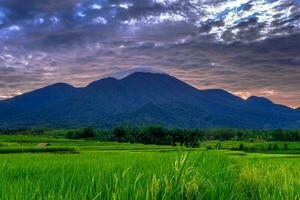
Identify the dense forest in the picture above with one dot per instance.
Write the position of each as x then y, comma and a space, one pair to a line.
162, 136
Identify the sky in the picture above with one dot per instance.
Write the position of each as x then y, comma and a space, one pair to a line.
247, 47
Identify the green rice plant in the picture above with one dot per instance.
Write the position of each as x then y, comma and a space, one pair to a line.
115, 176
133, 172
274, 179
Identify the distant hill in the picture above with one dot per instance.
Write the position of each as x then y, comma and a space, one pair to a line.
142, 99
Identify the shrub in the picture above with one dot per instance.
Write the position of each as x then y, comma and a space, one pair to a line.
81, 133
252, 149
218, 146
242, 146
208, 148
275, 147
270, 147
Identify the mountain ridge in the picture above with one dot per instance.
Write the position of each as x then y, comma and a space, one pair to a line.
139, 99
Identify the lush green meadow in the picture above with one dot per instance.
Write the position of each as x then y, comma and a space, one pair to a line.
79, 169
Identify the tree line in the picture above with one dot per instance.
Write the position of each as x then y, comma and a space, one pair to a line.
162, 136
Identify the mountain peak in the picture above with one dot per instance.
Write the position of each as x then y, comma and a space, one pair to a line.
136, 78
59, 85
144, 74
259, 100
125, 73
104, 81
266, 103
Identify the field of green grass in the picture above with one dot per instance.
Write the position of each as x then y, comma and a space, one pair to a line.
78, 169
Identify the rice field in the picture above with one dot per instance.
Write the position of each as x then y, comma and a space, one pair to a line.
96, 170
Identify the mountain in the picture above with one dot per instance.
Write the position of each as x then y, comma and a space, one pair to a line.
38, 98
266, 104
142, 99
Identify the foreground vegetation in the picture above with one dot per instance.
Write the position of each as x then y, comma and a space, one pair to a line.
91, 169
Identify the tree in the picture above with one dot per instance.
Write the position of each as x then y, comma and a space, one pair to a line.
240, 135
176, 135
119, 133
88, 133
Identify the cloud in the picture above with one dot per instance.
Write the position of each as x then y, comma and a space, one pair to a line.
222, 21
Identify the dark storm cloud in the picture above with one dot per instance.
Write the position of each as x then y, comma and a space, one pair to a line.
80, 20
249, 47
